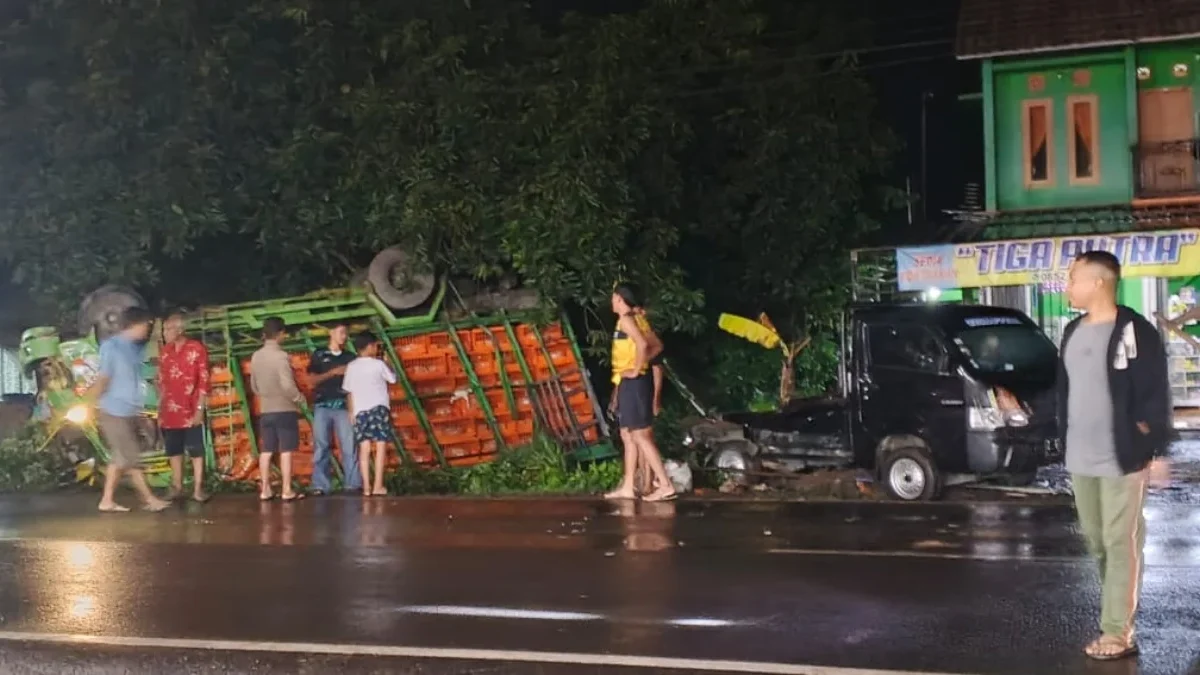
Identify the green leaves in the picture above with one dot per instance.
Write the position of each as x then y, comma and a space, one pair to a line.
685, 147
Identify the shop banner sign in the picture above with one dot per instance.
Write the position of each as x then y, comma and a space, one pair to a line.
1163, 253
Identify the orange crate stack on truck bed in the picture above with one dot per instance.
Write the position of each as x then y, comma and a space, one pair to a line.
446, 394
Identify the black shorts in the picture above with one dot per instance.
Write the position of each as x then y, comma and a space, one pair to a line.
635, 403
178, 441
279, 431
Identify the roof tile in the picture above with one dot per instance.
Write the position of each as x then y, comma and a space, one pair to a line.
999, 27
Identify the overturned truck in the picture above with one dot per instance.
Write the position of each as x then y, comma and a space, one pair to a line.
472, 380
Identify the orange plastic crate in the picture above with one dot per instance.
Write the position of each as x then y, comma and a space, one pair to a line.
428, 388
233, 419
221, 396
426, 367
403, 414
443, 407
411, 346
455, 431
439, 343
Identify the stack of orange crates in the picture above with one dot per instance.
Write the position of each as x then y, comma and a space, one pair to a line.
441, 383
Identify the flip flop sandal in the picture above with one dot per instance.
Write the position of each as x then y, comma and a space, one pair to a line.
669, 497
1092, 650
620, 497
201, 500
293, 498
115, 508
156, 508
266, 498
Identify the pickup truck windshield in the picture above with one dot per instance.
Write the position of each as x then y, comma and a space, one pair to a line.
1004, 347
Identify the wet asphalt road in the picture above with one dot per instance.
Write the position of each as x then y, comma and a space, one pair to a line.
967, 588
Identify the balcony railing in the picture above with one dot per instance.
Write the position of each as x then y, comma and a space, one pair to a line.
1167, 169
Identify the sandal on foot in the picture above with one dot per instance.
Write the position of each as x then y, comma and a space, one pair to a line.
201, 498
295, 497
379, 493
661, 496
113, 508
620, 495
1109, 648
156, 507
266, 497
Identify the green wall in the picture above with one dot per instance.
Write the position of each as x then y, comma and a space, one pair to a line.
1161, 60
1108, 84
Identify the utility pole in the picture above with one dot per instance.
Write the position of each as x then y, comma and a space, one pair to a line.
925, 97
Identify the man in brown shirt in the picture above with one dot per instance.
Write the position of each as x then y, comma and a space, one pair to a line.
279, 399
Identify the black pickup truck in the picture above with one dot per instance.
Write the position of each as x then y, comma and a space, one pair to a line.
927, 392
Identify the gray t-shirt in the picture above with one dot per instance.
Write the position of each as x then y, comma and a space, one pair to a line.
1091, 449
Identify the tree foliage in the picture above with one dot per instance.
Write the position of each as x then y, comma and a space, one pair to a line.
719, 148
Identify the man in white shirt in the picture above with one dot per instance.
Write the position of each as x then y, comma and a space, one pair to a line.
366, 383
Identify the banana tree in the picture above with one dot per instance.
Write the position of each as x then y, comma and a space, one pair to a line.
764, 334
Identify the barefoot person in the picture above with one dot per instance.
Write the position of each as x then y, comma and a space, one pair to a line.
274, 383
330, 416
1115, 410
366, 384
120, 401
634, 346
182, 390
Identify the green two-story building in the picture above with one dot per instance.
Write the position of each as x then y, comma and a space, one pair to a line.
1091, 137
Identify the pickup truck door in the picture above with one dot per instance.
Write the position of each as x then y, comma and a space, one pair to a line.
905, 386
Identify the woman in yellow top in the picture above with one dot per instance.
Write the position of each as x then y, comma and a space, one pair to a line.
634, 347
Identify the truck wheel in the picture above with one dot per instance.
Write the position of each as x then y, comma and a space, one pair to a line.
909, 475
102, 310
395, 281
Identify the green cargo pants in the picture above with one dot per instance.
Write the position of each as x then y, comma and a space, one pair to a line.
1110, 515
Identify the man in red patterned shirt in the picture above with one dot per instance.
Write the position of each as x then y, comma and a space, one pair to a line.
182, 391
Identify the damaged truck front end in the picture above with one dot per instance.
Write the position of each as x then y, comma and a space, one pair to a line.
929, 393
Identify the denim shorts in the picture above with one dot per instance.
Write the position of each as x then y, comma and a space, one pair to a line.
279, 431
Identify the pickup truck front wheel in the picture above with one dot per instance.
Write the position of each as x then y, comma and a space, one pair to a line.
909, 475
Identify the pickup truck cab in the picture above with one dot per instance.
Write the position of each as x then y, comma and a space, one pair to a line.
928, 392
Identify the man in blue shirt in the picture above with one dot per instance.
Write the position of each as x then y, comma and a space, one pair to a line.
119, 402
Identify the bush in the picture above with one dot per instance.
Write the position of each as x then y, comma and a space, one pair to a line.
538, 468
26, 464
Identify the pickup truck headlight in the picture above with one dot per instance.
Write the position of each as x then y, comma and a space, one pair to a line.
993, 408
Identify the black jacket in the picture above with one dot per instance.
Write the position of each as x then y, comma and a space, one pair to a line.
1141, 392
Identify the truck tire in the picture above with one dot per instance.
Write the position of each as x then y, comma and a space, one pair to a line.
102, 308
417, 285
909, 475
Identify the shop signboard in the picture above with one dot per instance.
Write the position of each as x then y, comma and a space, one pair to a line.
1044, 261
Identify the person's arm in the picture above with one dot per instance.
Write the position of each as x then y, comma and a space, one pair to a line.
327, 375
287, 381
103, 377
347, 386
1152, 388
641, 345
386, 373
318, 377
657, 370
654, 346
